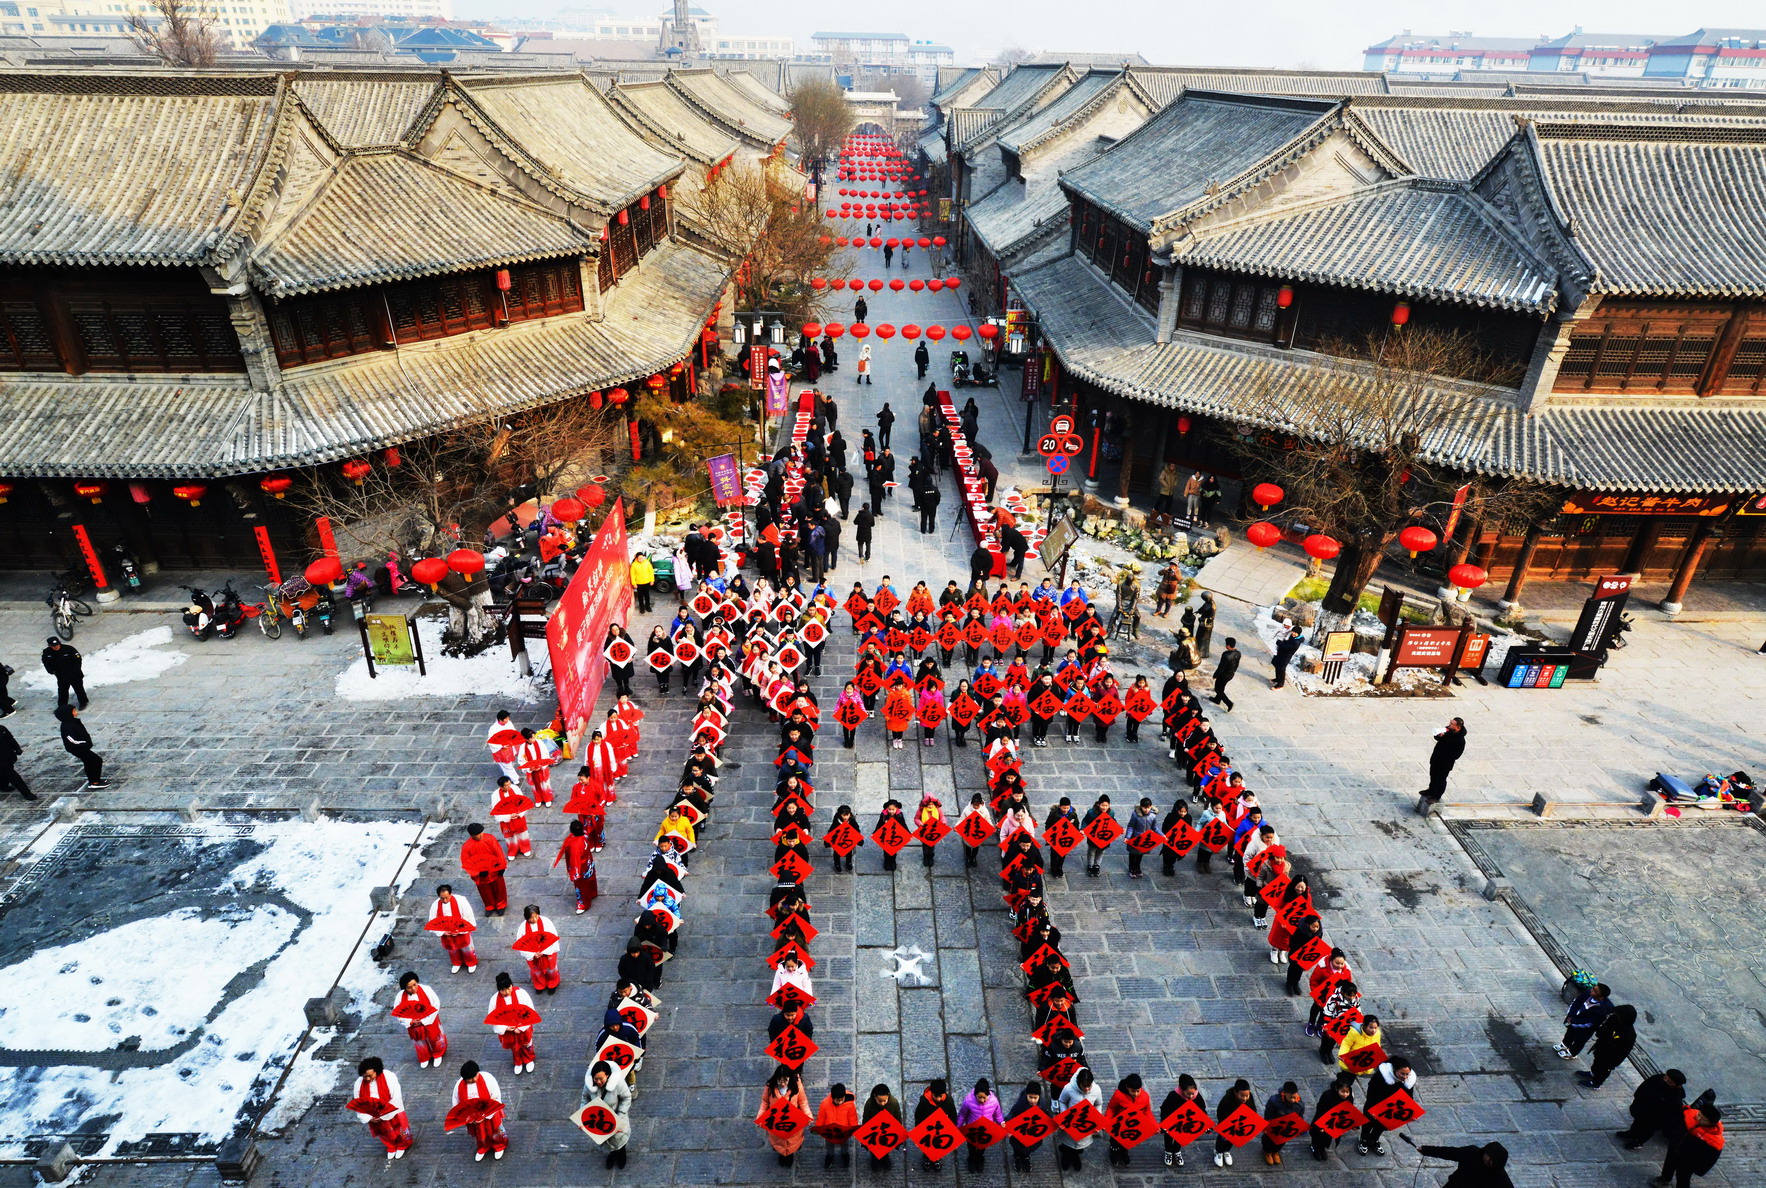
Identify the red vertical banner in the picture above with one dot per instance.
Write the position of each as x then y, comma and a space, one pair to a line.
91, 556
268, 552
598, 596
327, 538
1453, 514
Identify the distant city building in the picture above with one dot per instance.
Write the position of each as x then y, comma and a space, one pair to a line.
238, 21
713, 42
439, 9
887, 52
1702, 58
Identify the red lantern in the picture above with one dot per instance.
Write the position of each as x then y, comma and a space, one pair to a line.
1284, 297
93, 489
1321, 546
875, 241
925, 242
662, 192
818, 284
391, 454
6, 490
840, 241
618, 397
275, 484
1263, 534
892, 242
812, 329
1184, 424
938, 241
951, 282
569, 510
910, 331
324, 571
1467, 576
191, 493
885, 331
833, 329
989, 331
876, 286
1417, 539
935, 333
824, 240
625, 216
838, 283
503, 281
656, 384
897, 285
431, 571
916, 284
859, 330
466, 562
595, 397
593, 495
1401, 313
644, 204
960, 333
1266, 494
357, 470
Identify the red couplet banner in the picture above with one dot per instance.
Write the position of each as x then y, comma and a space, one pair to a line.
599, 596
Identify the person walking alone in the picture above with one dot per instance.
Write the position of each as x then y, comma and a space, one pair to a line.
63, 662
78, 743
1192, 497
860, 311
1287, 642
922, 360
885, 422
1450, 744
1613, 1041
861, 531
9, 755
1225, 669
864, 373
643, 582
929, 499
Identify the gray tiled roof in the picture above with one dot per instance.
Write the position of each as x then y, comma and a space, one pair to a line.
953, 89
1028, 131
129, 169
1013, 213
1663, 211
1167, 81
1625, 445
724, 103
969, 123
1429, 242
392, 216
1012, 94
365, 111
117, 428
668, 117
758, 91
1197, 143
932, 145
561, 130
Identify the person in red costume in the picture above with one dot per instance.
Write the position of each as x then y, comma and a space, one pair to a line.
483, 860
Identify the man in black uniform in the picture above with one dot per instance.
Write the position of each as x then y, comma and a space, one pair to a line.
62, 661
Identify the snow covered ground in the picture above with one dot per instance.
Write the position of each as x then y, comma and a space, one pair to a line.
489, 674
140, 657
218, 988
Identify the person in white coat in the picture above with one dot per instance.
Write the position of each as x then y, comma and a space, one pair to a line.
457, 945
601, 1087
518, 1040
542, 964
392, 1128
424, 1029
1083, 1087
504, 740
477, 1085
792, 972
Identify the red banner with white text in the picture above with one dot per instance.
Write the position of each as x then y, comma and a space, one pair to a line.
599, 595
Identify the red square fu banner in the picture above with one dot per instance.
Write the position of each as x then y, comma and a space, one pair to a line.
599, 596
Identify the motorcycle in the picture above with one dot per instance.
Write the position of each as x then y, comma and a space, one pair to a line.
199, 616
230, 613
360, 589
126, 567
298, 599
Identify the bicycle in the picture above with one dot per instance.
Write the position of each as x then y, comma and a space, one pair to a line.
270, 618
64, 608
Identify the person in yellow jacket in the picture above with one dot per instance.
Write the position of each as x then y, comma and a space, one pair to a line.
1360, 1035
677, 823
643, 581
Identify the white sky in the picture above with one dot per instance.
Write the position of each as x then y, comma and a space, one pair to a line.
1280, 33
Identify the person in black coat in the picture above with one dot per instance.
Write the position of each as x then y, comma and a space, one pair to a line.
8, 703
874, 478
9, 777
980, 564
861, 531
843, 491
1450, 744
78, 743
885, 422
1032, 1095
860, 311
1013, 543
1655, 1106
62, 661
1613, 1041
1225, 669
637, 968
1479, 1167
929, 499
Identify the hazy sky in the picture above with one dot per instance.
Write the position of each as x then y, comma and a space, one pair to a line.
1283, 33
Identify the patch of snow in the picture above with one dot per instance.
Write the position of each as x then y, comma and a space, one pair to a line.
1360, 670
491, 673
325, 868
137, 658
94, 993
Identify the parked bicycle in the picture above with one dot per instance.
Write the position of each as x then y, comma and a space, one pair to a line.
64, 608
270, 617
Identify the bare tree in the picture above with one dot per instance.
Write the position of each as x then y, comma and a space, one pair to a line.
177, 32
451, 485
1010, 56
774, 227
818, 109
1356, 447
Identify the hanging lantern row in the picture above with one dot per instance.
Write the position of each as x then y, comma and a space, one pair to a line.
191, 493
93, 489
1321, 546
431, 571
886, 330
